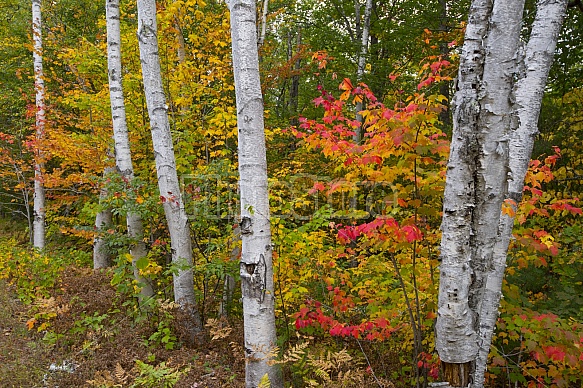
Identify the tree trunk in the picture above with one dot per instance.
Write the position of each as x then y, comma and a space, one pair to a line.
123, 156
168, 183
528, 93
264, 13
486, 144
294, 90
103, 221
363, 52
39, 86
229, 283
256, 258
444, 86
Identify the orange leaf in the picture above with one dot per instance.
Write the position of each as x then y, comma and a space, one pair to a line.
346, 84
30, 323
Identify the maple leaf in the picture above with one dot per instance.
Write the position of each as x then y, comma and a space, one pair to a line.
555, 353
346, 84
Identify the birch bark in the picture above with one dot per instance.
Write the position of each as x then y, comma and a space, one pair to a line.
363, 52
123, 156
264, 13
256, 268
456, 340
294, 90
103, 220
528, 93
39, 86
494, 124
168, 183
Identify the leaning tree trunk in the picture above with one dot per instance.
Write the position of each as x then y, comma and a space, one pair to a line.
39, 86
487, 143
256, 258
168, 183
123, 156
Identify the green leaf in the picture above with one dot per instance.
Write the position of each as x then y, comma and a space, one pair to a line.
142, 263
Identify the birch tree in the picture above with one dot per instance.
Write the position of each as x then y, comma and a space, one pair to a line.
363, 52
39, 86
168, 183
123, 156
103, 221
256, 268
496, 109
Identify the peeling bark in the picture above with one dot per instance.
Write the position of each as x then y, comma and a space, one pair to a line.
256, 270
528, 94
456, 339
495, 118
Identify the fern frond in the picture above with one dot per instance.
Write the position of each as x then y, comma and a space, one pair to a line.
120, 373
323, 375
264, 382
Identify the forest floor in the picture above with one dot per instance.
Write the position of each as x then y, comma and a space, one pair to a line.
89, 339
22, 356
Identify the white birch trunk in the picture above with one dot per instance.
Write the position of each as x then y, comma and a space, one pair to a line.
495, 123
39, 86
456, 339
263, 23
528, 93
363, 52
168, 183
123, 156
103, 221
489, 156
256, 258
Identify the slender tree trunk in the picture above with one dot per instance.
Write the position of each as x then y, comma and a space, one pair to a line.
229, 283
166, 166
103, 221
123, 156
256, 258
294, 90
39, 86
263, 30
363, 52
444, 86
488, 142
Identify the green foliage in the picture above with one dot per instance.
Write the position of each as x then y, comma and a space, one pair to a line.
32, 272
164, 334
157, 376
355, 226
93, 322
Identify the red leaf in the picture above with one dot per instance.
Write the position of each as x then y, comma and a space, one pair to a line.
555, 353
